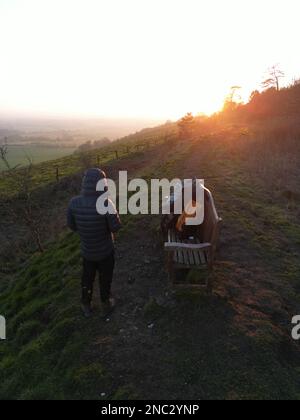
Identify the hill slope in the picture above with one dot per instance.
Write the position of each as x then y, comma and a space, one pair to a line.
160, 344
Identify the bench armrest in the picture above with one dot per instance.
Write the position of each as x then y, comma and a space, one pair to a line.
175, 246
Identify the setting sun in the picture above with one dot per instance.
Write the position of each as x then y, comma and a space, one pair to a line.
149, 203
139, 58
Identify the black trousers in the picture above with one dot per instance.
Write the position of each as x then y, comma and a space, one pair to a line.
105, 269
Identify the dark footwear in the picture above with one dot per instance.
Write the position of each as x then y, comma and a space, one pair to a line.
87, 311
108, 307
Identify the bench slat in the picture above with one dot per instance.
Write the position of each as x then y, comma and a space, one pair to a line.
189, 258
197, 258
186, 257
178, 254
201, 254
171, 238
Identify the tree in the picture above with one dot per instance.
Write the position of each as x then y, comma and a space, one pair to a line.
186, 126
254, 95
274, 75
234, 95
101, 143
233, 99
85, 146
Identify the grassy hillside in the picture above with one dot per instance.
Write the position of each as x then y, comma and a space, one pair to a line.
46, 173
235, 344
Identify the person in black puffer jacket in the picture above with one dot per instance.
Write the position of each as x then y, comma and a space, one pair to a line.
97, 245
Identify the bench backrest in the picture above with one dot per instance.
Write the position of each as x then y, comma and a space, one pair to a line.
211, 226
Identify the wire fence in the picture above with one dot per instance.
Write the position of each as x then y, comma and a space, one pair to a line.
118, 153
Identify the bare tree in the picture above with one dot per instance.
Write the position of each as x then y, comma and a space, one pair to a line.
235, 95
23, 206
273, 78
233, 99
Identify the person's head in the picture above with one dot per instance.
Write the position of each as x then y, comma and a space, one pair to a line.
90, 180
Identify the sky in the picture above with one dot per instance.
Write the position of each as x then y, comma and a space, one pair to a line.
140, 58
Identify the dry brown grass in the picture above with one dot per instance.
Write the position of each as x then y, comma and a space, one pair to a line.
269, 151
273, 154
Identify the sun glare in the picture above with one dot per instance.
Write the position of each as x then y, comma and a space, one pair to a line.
137, 58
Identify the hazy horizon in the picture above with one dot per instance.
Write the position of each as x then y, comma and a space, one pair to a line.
75, 130
139, 59
18, 117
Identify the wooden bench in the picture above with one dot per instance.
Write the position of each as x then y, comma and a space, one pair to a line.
198, 252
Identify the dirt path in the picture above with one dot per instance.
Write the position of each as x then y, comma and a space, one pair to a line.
235, 344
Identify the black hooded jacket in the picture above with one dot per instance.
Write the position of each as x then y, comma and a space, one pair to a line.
95, 230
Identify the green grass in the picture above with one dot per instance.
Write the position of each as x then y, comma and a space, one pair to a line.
41, 358
45, 173
212, 358
18, 155
235, 344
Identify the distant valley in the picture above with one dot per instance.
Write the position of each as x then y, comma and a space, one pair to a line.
40, 139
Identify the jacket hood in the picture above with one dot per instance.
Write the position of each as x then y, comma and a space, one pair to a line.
90, 181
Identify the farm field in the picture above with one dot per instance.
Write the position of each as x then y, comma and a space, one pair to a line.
18, 155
